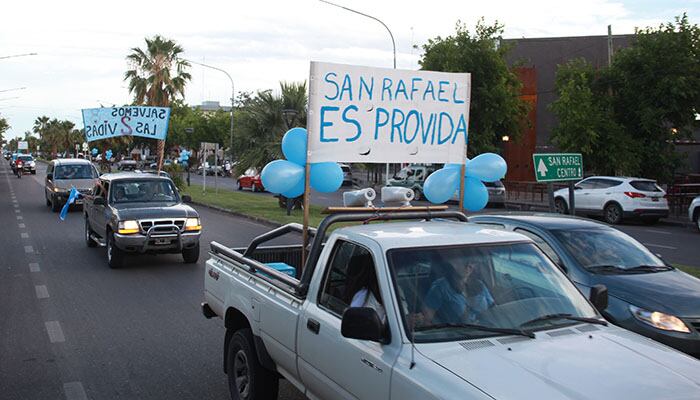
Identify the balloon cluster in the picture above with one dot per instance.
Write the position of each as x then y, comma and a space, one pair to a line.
108, 155
442, 184
287, 177
94, 151
184, 157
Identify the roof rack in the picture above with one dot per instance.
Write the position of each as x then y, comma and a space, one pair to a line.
349, 210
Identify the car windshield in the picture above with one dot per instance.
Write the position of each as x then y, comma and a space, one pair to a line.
143, 191
26, 158
463, 292
606, 249
77, 171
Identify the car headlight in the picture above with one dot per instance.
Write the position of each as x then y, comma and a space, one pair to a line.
193, 224
128, 227
659, 320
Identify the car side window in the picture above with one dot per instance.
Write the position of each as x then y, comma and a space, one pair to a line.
49, 169
348, 263
586, 184
544, 246
608, 183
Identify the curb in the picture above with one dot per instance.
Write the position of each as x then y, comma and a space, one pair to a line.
259, 220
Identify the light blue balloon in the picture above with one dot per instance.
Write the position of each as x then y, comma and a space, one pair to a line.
294, 146
476, 196
487, 167
455, 166
326, 177
108, 154
297, 190
280, 176
441, 185
94, 151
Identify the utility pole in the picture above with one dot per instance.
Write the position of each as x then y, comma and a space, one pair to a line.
610, 45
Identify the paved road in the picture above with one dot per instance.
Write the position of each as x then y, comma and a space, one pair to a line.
72, 328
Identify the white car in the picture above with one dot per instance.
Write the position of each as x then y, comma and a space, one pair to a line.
694, 211
615, 199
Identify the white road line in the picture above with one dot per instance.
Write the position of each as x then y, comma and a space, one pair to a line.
24, 235
28, 249
74, 391
15, 205
21, 226
34, 267
19, 217
41, 292
17, 211
53, 328
661, 246
661, 232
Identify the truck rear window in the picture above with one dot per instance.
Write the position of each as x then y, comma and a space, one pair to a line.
646, 186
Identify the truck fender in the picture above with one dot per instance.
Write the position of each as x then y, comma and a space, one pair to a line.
236, 320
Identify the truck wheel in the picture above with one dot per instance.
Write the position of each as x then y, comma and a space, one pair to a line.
613, 214
115, 257
191, 255
55, 206
88, 231
247, 379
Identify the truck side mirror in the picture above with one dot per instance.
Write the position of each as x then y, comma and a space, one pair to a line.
99, 201
599, 297
362, 323
186, 198
49, 177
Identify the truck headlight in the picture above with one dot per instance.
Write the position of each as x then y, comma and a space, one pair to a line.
128, 227
659, 320
193, 224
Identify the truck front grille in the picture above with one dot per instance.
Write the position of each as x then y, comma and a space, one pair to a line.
163, 225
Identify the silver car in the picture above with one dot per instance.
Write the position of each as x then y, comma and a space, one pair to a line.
64, 174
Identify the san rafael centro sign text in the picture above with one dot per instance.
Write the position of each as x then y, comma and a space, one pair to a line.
558, 167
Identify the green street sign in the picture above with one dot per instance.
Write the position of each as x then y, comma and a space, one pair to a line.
558, 167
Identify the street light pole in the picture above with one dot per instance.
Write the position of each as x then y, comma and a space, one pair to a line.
232, 100
393, 44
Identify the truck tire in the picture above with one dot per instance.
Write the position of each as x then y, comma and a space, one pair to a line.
247, 379
191, 255
88, 231
115, 256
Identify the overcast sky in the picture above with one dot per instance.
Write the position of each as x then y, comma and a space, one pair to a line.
82, 45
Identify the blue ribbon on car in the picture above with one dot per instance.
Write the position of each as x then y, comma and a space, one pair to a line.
71, 199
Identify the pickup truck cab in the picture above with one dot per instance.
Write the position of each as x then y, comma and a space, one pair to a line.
130, 212
425, 309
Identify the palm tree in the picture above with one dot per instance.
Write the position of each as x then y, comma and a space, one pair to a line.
157, 76
262, 126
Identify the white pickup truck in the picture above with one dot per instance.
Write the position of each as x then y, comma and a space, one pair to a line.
426, 308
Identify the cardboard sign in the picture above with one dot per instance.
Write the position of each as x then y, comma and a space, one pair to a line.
363, 114
104, 123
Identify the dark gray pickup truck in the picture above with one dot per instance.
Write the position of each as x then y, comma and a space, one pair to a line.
131, 212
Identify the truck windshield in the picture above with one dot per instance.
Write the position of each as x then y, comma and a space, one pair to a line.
77, 171
446, 293
143, 191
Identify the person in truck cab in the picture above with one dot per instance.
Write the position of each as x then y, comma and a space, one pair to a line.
460, 296
362, 288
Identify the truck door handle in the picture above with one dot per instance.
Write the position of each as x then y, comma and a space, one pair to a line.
313, 325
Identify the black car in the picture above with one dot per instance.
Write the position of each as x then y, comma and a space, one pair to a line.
647, 295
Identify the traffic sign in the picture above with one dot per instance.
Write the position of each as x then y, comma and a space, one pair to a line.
558, 167
22, 145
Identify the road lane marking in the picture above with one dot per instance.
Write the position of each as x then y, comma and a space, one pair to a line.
41, 292
34, 267
661, 246
24, 235
661, 232
28, 249
55, 332
74, 391
16, 211
22, 226
19, 217
15, 205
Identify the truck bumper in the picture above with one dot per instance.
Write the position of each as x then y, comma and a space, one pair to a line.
156, 243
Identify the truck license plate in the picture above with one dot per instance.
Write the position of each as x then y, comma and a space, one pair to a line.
162, 241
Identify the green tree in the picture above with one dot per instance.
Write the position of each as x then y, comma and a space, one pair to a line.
587, 124
261, 125
157, 76
4, 126
496, 108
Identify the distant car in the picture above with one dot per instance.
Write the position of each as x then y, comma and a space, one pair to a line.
412, 177
63, 174
7, 155
647, 295
250, 180
616, 199
127, 165
28, 163
497, 194
347, 174
694, 212
166, 163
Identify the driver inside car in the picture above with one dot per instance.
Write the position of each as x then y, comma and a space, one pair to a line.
458, 297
